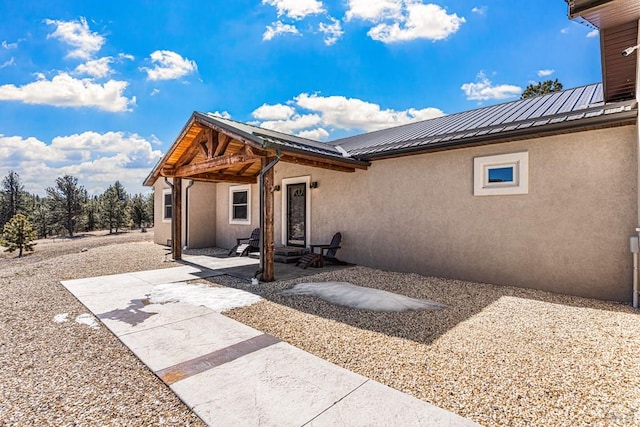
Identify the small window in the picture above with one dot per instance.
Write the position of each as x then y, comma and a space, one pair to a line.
503, 174
240, 204
167, 205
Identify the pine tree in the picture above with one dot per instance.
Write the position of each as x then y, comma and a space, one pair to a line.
66, 203
11, 197
138, 211
114, 207
541, 88
18, 234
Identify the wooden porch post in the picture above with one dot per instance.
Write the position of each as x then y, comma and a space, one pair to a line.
176, 219
268, 273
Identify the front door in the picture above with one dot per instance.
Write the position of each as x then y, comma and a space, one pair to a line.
296, 227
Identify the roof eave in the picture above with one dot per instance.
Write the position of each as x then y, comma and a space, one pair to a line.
624, 118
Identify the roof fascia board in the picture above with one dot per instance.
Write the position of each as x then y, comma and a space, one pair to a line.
585, 6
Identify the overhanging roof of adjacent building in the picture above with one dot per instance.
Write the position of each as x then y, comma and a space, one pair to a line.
617, 21
555, 113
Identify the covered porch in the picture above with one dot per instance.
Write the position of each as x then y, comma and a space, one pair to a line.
217, 150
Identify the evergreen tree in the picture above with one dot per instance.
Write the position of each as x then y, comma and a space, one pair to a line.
93, 213
541, 88
66, 203
40, 217
138, 211
114, 207
149, 206
11, 197
18, 234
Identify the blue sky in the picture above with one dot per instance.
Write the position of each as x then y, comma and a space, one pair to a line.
100, 90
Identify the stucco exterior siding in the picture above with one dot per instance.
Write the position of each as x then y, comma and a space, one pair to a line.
201, 228
226, 233
161, 228
569, 234
201, 223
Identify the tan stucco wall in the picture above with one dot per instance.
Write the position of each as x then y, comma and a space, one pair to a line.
226, 234
569, 234
202, 215
161, 229
201, 211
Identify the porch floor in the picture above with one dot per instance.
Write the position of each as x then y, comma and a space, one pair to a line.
246, 267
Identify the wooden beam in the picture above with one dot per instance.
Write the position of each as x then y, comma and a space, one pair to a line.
269, 269
204, 149
296, 159
244, 168
191, 151
210, 141
176, 219
214, 164
222, 177
223, 143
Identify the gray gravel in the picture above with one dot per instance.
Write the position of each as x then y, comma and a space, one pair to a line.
68, 373
501, 356
498, 355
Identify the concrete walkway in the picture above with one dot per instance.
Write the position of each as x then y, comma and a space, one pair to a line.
231, 374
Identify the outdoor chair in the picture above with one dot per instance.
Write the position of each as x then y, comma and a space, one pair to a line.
327, 253
246, 245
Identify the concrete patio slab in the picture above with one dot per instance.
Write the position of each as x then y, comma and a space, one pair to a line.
231, 374
185, 340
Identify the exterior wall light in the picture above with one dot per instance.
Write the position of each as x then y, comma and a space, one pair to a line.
313, 184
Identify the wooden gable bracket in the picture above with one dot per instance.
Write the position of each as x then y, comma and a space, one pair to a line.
215, 164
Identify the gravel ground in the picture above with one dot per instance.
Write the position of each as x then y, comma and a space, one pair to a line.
69, 373
501, 356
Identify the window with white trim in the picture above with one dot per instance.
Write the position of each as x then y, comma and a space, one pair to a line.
503, 174
167, 205
240, 204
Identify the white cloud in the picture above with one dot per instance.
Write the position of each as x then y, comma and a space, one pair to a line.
223, 114
545, 73
8, 63
310, 116
273, 112
484, 90
278, 28
7, 45
126, 56
352, 113
593, 33
77, 35
374, 10
296, 9
98, 68
64, 90
317, 134
482, 10
294, 123
97, 160
404, 20
154, 92
421, 21
564, 31
169, 65
332, 32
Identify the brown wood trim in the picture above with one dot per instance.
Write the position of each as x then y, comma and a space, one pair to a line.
214, 164
305, 161
223, 177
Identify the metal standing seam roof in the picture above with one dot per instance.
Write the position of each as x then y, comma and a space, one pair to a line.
496, 122
277, 138
516, 119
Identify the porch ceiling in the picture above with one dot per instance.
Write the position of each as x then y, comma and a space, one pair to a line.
208, 151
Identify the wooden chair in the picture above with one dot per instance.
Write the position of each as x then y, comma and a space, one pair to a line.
317, 259
246, 245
